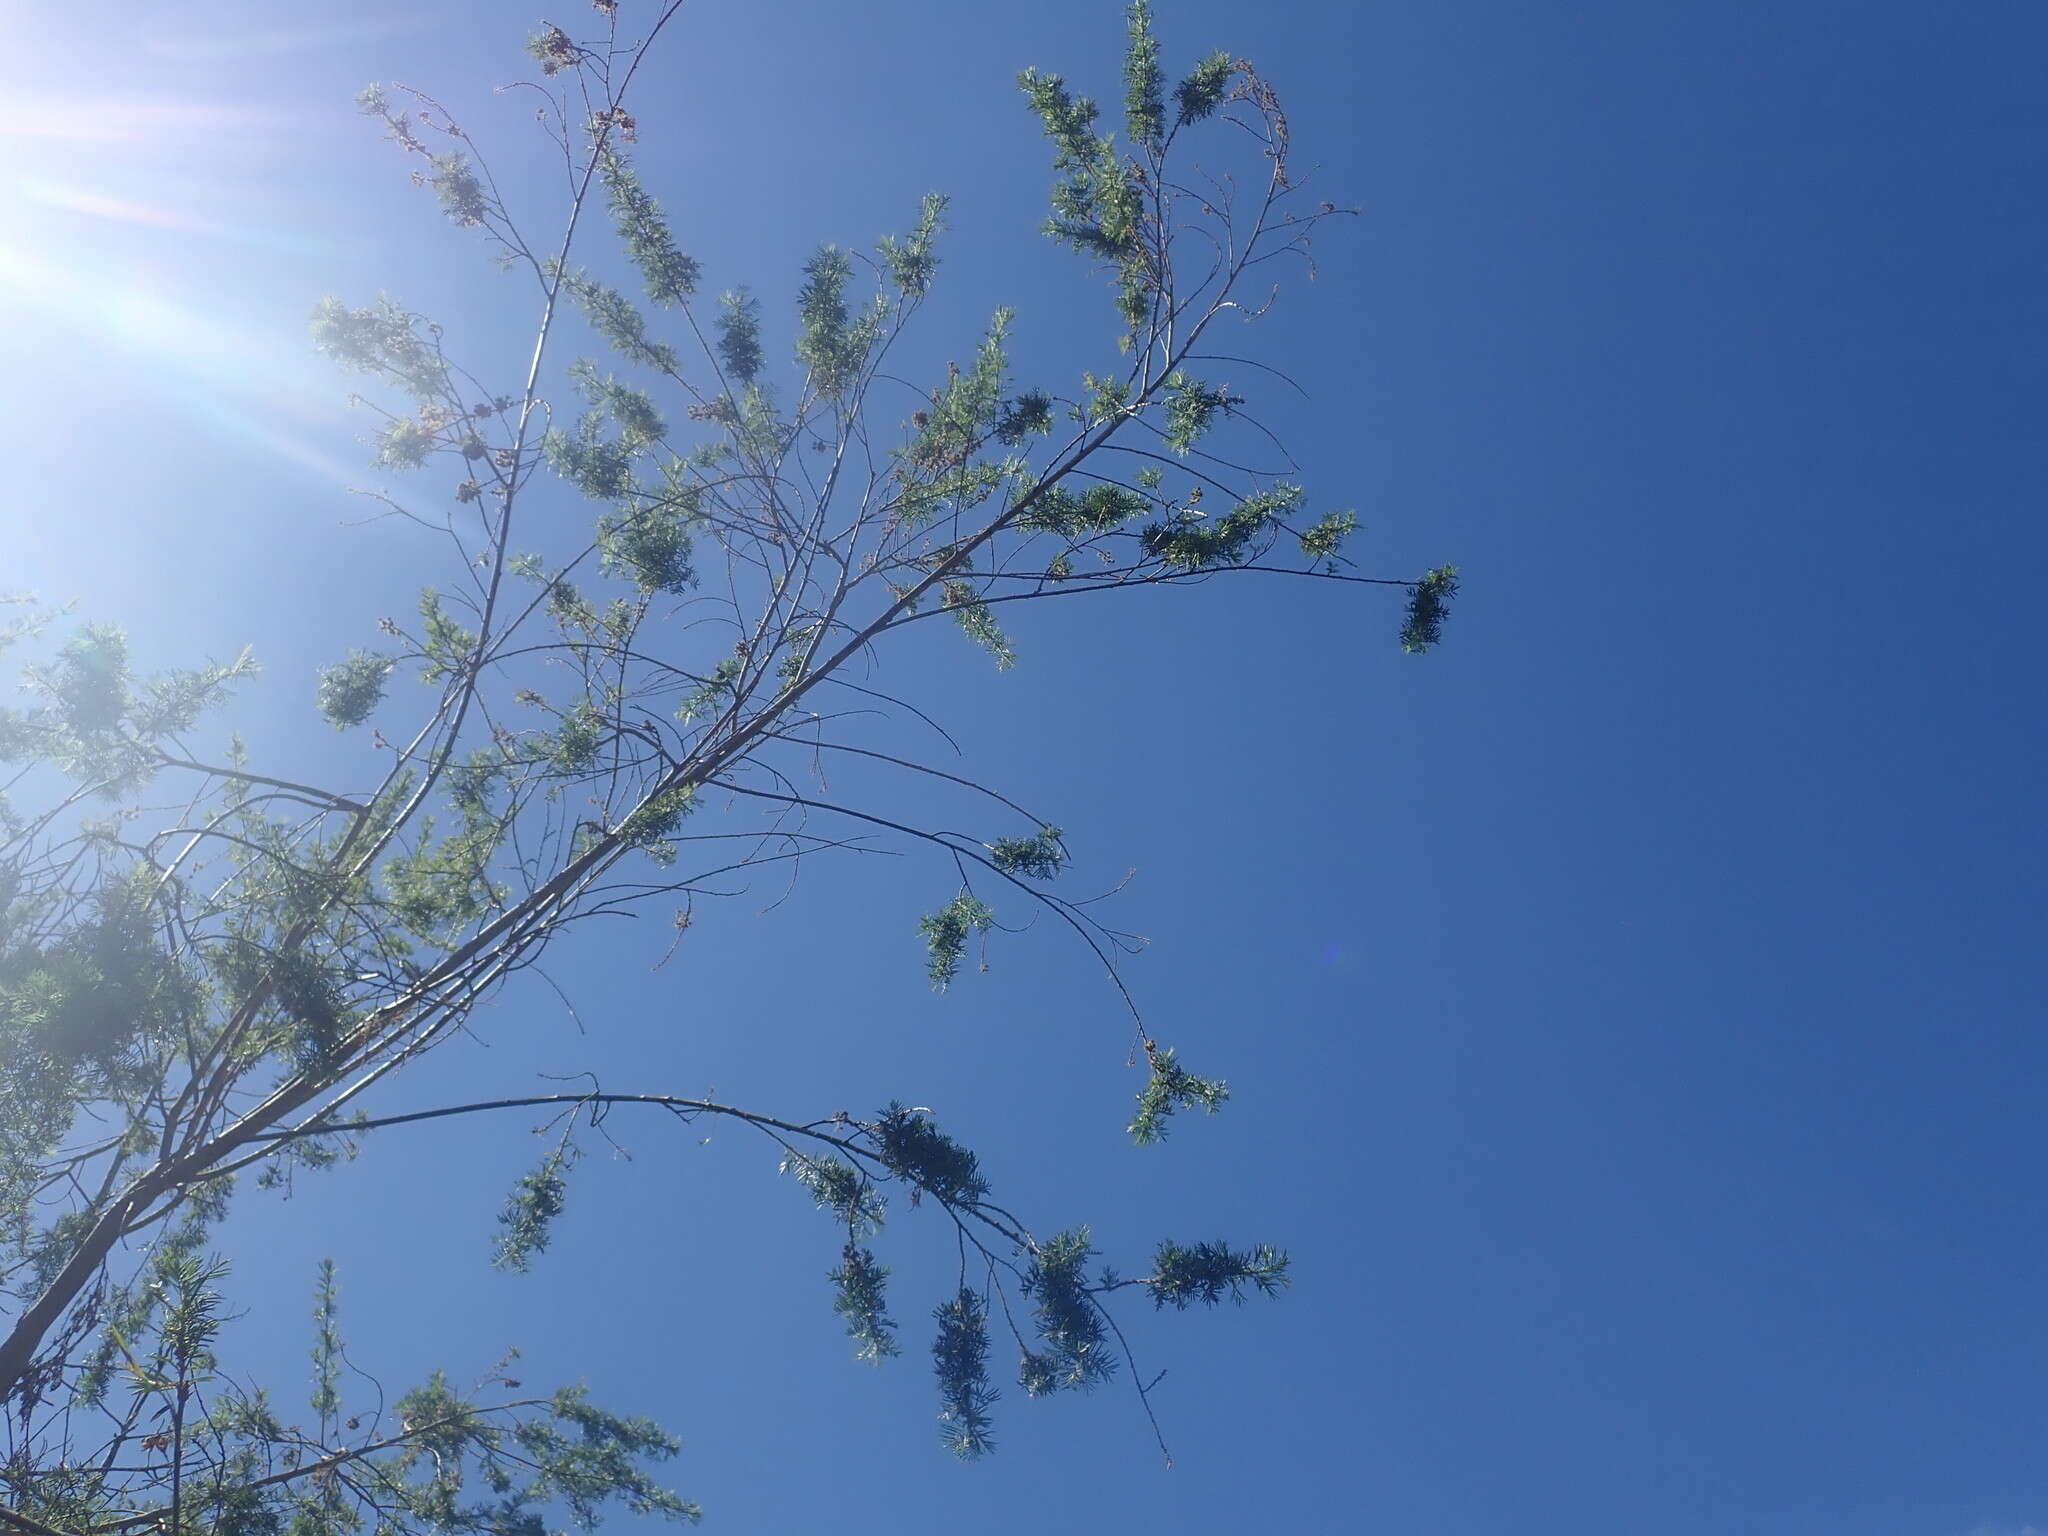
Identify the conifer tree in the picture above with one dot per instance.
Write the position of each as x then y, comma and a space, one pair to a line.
192, 1010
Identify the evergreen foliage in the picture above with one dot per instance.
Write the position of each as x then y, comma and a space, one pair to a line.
1209, 1272
1429, 603
862, 1301
606, 700
979, 624
1190, 406
1144, 82
669, 275
840, 1189
648, 543
1202, 92
529, 1215
1029, 415
960, 1359
739, 335
1322, 540
832, 342
1039, 857
911, 260
326, 1398
351, 690
947, 931
914, 1149
1074, 1352
612, 315
1169, 1087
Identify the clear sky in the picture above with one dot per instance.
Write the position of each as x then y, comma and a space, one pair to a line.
1635, 1009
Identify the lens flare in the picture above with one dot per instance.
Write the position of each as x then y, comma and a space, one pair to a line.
194, 46
127, 120
74, 199
240, 385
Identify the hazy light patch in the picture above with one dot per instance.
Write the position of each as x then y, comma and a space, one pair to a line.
279, 40
236, 424
229, 365
25, 273
73, 199
76, 119
70, 197
242, 386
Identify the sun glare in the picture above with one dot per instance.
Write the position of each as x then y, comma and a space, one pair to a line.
127, 232
54, 194
190, 44
77, 119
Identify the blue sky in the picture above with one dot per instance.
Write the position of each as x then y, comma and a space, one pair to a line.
1629, 1006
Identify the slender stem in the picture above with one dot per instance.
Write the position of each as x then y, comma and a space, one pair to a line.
34, 1527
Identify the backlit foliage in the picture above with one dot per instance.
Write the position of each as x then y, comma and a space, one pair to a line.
676, 569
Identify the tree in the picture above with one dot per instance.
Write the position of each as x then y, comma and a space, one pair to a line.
228, 994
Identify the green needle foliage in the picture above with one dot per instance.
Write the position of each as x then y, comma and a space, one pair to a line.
1040, 857
1209, 1272
529, 1215
677, 571
1074, 1347
946, 933
861, 1300
1171, 1086
1429, 604
960, 1358
350, 691
916, 1151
